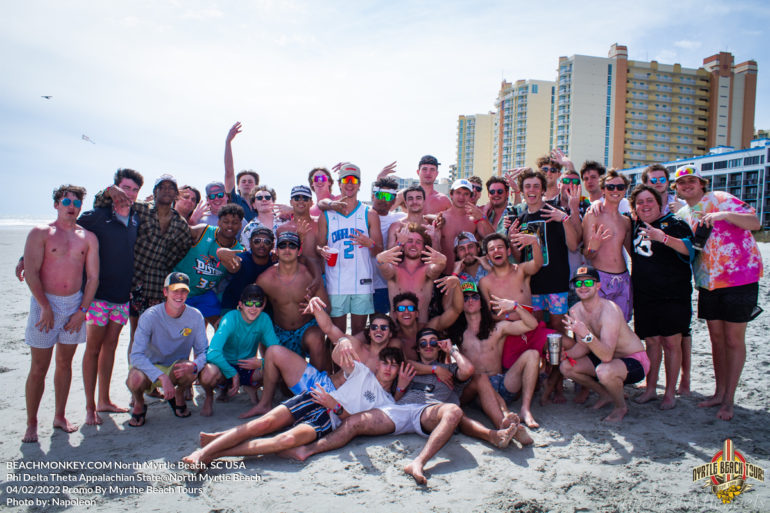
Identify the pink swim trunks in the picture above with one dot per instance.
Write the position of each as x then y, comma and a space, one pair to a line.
102, 312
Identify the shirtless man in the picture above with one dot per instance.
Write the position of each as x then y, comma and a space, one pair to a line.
427, 170
54, 258
414, 201
605, 354
412, 268
302, 224
477, 188
606, 233
463, 216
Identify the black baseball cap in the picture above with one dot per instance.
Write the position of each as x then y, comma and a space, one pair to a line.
586, 271
429, 159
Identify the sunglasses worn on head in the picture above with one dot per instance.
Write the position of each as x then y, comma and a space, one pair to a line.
405, 308
254, 302
300, 198
215, 195
290, 245
260, 240
662, 179
349, 179
263, 197
380, 327
475, 296
385, 196
496, 192
320, 178
615, 186
426, 343
67, 202
573, 181
588, 283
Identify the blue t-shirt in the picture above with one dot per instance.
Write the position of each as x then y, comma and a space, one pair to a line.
246, 275
248, 212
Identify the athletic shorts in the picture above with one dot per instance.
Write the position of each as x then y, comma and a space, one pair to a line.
498, 383
662, 319
305, 411
310, 378
515, 345
165, 369
207, 303
731, 304
63, 308
245, 377
101, 312
356, 304
406, 417
381, 301
637, 366
617, 288
292, 339
555, 304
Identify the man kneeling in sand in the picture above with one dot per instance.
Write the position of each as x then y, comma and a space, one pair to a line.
164, 337
54, 257
312, 414
608, 353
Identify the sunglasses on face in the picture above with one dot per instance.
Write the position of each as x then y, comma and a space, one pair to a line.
67, 202
300, 198
216, 195
550, 170
380, 327
349, 179
662, 179
259, 240
475, 297
320, 178
385, 196
496, 192
477, 188
587, 283
263, 197
290, 245
405, 308
254, 302
615, 186
573, 181
426, 343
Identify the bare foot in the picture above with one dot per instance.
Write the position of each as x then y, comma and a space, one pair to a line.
223, 397
93, 418
110, 407
714, 400
668, 402
522, 436
208, 406
684, 387
509, 418
503, 437
725, 412
616, 415
415, 470
602, 402
253, 412
195, 461
582, 396
188, 394
645, 397
252, 392
64, 424
528, 419
559, 398
207, 438
295, 453
31, 435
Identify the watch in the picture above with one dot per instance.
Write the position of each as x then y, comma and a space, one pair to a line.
588, 338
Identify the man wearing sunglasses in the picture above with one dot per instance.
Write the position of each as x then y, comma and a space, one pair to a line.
551, 169
604, 354
216, 198
606, 232
656, 176
355, 233
247, 265
232, 354
463, 216
55, 257
496, 210
477, 189
303, 224
246, 180
384, 192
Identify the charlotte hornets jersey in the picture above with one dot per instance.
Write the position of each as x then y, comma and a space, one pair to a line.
353, 272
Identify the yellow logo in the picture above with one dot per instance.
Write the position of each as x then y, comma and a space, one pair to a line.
185, 331
727, 473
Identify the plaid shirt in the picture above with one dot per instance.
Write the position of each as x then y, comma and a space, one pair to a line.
155, 253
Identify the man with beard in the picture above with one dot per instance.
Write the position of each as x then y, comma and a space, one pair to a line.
469, 266
496, 210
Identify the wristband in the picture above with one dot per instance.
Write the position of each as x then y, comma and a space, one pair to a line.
433, 369
399, 390
195, 368
83, 309
665, 239
566, 216
456, 275
338, 409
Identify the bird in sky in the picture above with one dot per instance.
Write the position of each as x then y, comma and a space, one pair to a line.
86, 138
47, 97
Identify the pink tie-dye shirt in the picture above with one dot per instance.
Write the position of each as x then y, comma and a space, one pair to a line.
731, 256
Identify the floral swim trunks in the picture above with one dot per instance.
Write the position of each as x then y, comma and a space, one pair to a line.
102, 312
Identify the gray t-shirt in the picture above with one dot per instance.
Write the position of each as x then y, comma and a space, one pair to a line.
161, 339
428, 389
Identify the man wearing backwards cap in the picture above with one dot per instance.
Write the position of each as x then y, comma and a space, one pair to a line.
166, 334
301, 223
726, 272
162, 240
463, 216
427, 171
469, 266
605, 353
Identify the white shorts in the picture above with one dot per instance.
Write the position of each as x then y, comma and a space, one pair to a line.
63, 307
406, 417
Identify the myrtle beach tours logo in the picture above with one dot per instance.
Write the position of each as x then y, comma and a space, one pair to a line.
727, 473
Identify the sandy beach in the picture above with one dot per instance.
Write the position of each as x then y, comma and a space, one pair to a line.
577, 463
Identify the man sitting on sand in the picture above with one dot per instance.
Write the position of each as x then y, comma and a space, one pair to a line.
311, 414
607, 354
164, 337
54, 258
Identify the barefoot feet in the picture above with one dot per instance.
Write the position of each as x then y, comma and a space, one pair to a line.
64, 424
31, 434
253, 412
725, 412
669, 401
528, 419
110, 407
93, 418
300, 453
648, 395
502, 437
522, 436
714, 400
414, 469
616, 415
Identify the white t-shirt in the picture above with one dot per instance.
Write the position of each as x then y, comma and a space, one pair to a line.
361, 392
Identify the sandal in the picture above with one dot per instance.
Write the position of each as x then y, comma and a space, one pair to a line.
138, 418
179, 411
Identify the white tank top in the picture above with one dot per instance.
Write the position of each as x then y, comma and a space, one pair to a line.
353, 272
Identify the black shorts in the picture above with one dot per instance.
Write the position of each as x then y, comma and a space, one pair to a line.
662, 319
305, 411
731, 304
635, 371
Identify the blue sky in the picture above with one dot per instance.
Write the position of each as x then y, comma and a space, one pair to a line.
157, 84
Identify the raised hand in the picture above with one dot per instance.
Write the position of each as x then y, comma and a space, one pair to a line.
303, 228
502, 306
313, 305
432, 257
597, 237
391, 256
473, 212
387, 170
651, 233
553, 214
200, 210
234, 130
521, 240
561, 158
363, 240
405, 375
447, 283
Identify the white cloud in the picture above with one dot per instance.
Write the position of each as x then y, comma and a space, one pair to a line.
688, 44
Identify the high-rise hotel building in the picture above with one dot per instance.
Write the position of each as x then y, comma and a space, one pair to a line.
474, 146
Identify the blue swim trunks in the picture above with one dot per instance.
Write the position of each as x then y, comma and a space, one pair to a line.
310, 378
292, 339
498, 383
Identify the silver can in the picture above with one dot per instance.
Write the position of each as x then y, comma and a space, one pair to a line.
554, 348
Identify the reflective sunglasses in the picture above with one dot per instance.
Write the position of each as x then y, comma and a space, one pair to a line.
615, 186
254, 302
349, 179
405, 308
475, 296
385, 196
477, 188
588, 283
662, 179
550, 170
260, 240
380, 327
426, 343
263, 197
496, 192
67, 202
320, 178
300, 198
573, 181
215, 195
290, 245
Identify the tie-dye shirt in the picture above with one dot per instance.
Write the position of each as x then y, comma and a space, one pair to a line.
731, 256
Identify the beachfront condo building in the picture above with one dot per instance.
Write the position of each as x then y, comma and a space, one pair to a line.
474, 147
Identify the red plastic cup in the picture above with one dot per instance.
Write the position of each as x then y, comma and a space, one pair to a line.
333, 259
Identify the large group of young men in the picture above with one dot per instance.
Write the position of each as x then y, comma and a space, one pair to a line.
449, 302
